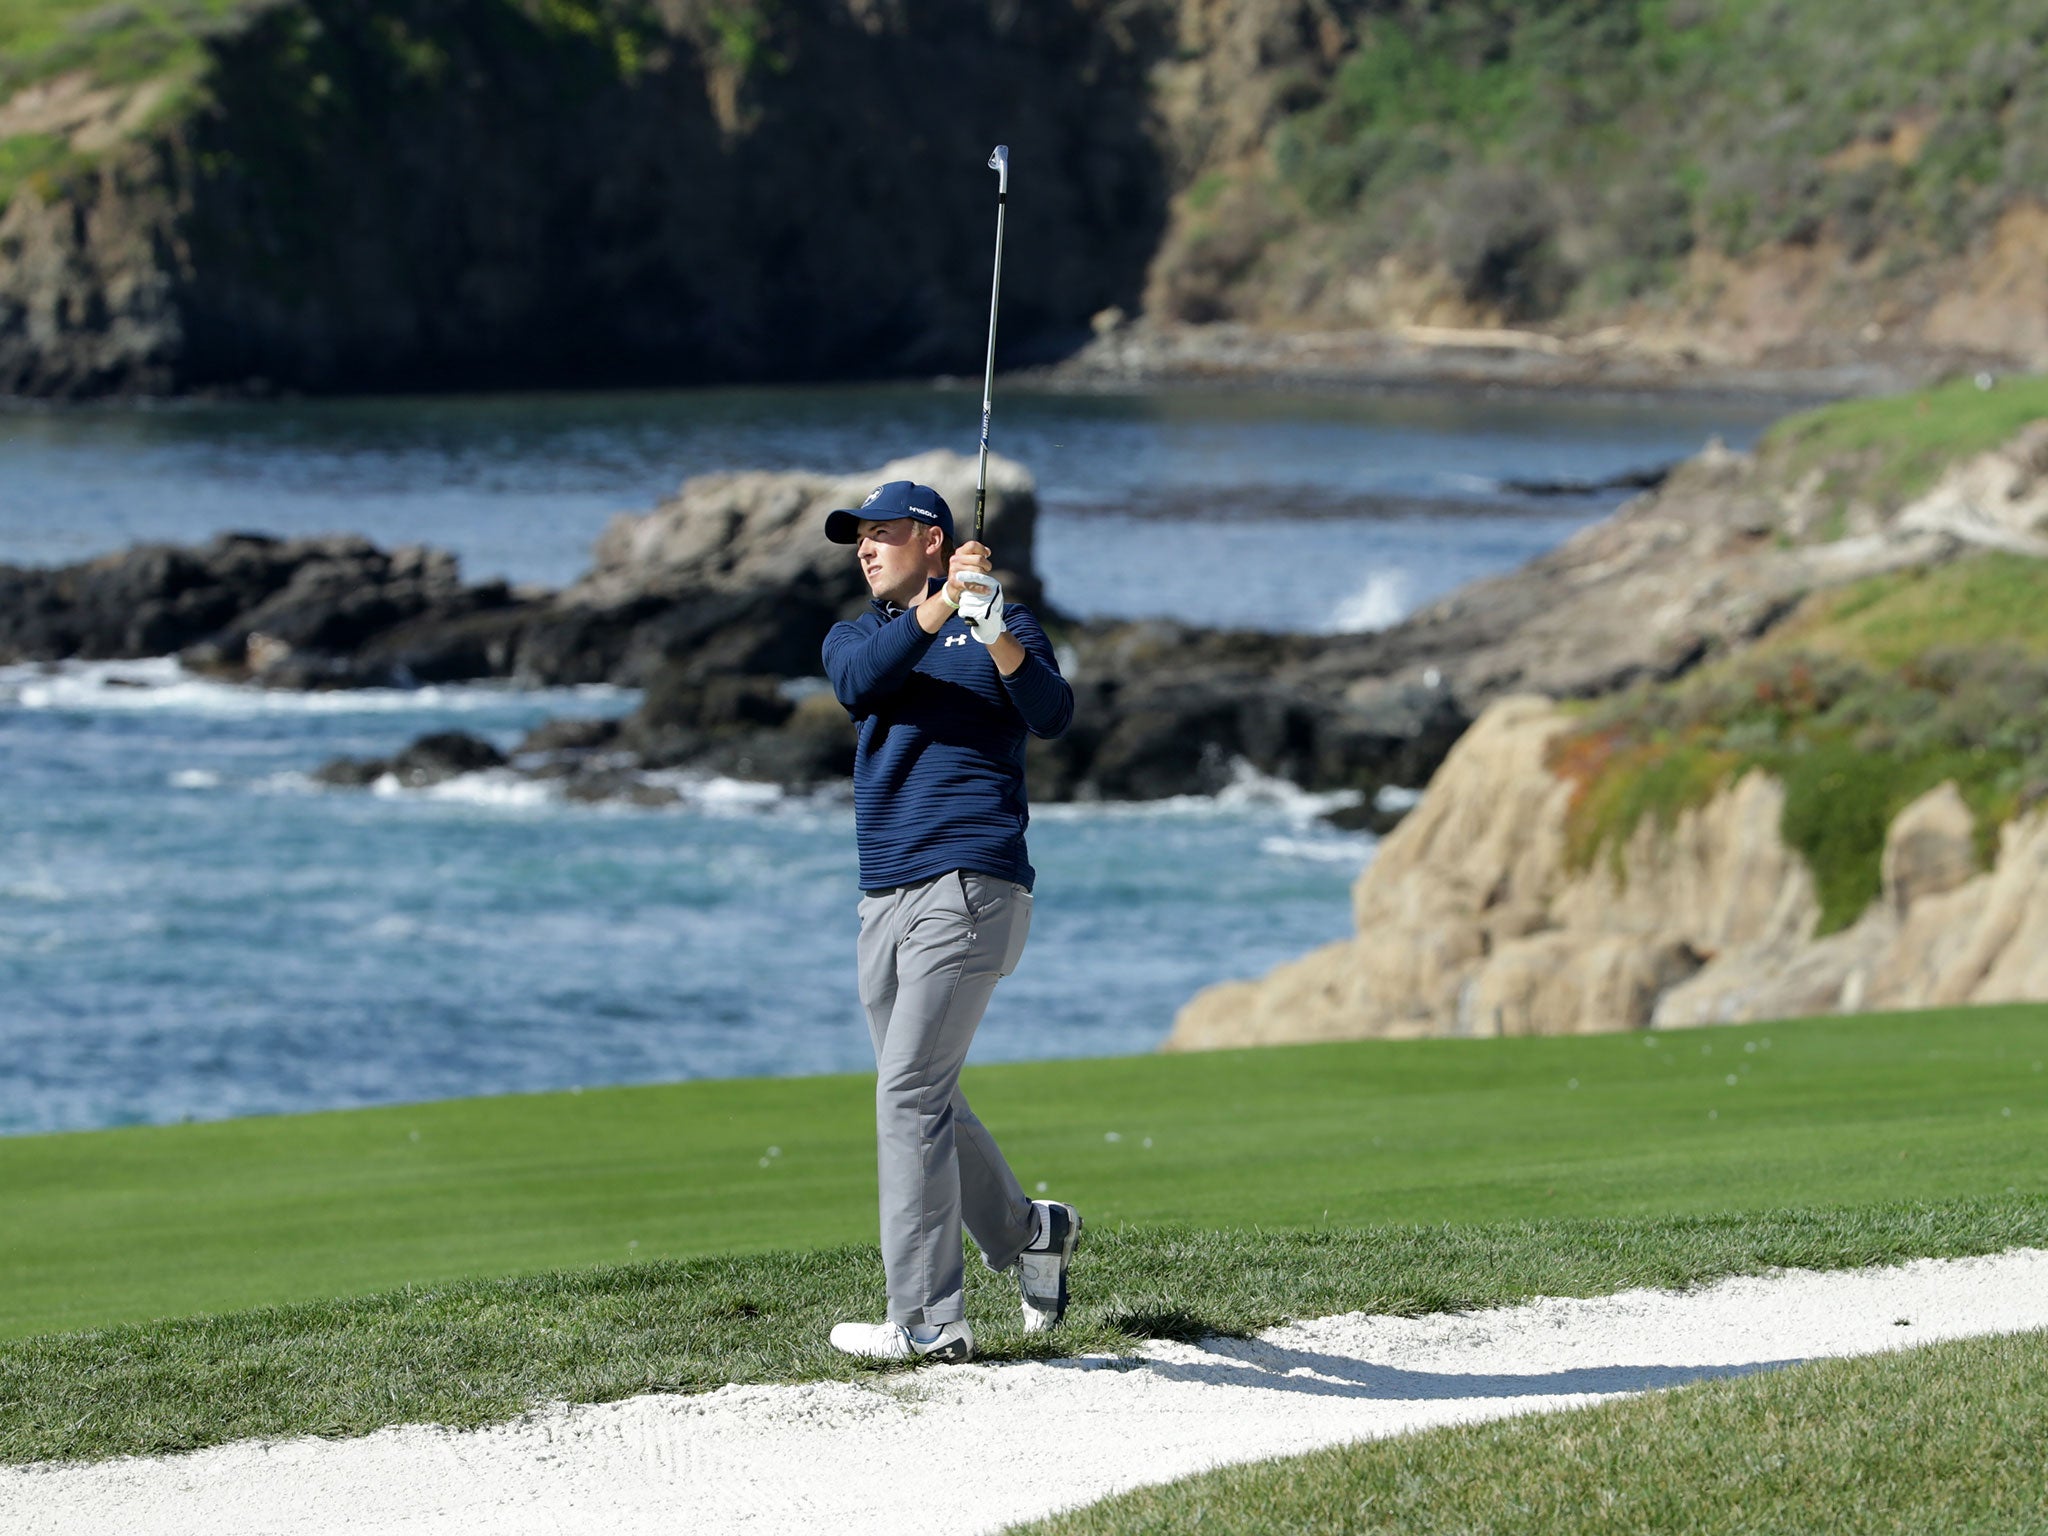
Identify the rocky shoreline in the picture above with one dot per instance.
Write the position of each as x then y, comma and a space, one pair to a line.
1609, 361
1474, 918
714, 605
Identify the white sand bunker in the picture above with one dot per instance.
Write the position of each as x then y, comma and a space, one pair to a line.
972, 1448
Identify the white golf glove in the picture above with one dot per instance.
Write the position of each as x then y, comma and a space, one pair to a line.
981, 605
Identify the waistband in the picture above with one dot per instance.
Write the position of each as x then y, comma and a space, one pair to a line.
915, 885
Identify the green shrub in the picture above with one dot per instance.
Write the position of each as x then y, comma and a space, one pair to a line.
1866, 700
1773, 122
1499, 241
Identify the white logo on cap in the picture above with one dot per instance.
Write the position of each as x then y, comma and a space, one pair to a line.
871, 496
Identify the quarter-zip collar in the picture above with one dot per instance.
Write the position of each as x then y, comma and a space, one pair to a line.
889, 610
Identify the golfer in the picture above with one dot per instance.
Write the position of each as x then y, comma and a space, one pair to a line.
943, 682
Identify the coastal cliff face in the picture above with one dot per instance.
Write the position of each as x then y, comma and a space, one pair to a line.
333, 195
441, 193
1473, 921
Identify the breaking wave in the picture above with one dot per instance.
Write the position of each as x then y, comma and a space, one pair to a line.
162, 683
1382, 601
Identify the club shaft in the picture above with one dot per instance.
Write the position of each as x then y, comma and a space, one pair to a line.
988, 376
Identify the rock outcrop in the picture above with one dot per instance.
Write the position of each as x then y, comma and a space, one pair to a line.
1162, 710
1471, 920
716, 604
1699, 567
292, 612
1996, 500
731, 577
433, 759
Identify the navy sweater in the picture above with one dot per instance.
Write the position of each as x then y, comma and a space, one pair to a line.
938, 772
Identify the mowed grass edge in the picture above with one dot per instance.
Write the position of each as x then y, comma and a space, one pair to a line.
1949, 1437
481, 1352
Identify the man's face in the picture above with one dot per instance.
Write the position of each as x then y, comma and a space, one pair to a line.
897, 557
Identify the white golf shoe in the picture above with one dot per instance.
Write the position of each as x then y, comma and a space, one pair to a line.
897, 1341
1042, 1266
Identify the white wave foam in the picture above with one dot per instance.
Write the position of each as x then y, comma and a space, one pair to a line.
718, 795
195, 778
1382, 601
1248, 787
1393, 797
493, 787
39, 888
729, 796
507, 789
1465, 480
1352, 852
161, 683
1248, 790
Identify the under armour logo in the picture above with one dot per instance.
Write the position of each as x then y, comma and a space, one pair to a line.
956, 639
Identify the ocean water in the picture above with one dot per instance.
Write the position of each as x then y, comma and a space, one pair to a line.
190, 928
1261, 509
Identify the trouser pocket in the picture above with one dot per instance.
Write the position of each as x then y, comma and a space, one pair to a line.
999, 912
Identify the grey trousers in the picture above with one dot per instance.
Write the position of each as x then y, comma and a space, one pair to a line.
930, 957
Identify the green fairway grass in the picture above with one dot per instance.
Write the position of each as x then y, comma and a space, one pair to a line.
1949, 1438
478, 1352
113, 1226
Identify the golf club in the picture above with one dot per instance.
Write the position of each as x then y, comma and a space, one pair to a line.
999, 162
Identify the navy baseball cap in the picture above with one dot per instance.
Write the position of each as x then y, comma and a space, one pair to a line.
897, 498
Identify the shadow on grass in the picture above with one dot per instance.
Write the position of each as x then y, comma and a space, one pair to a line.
1177, 1324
